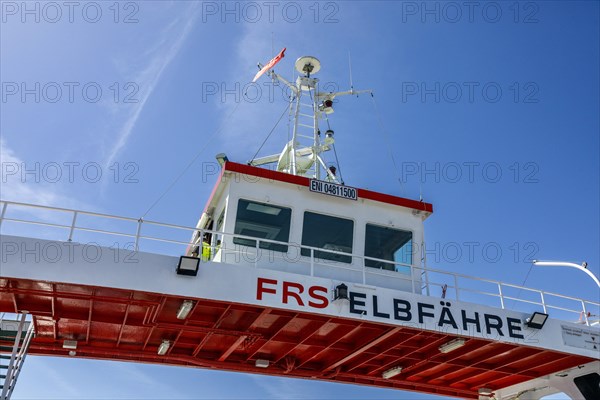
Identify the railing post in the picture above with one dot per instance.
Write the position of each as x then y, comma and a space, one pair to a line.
364, 270
312, 262
426, 280
72, 226
543, 302
256, 254
3, 212
137, 234
456, 287
501, 294
585, 315
412, 279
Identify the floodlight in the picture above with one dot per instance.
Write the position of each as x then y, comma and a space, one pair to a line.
188, 265
537, 320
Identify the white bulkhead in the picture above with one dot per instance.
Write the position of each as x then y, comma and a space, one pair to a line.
366, 240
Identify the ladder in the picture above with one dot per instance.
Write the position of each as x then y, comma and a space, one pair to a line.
15, 336
306, 125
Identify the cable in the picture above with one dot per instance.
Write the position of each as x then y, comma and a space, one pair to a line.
267, 138
207, 142
338, 164
337, 161
522, 285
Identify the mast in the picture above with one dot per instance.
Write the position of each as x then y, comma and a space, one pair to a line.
302, 155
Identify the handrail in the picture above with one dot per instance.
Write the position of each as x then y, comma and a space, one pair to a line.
73, 226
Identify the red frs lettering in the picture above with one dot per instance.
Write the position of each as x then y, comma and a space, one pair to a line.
293, 292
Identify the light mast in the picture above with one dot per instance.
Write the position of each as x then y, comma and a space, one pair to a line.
302, 155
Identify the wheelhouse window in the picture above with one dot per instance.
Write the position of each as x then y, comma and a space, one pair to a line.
327, 233
388, 244
263, 221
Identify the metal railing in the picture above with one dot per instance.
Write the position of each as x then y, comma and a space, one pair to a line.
421, 278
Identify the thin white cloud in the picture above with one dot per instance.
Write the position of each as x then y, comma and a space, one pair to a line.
161, 55
16, 188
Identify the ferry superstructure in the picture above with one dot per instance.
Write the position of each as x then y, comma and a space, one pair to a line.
288, 272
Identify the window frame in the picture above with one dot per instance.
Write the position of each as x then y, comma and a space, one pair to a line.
389, 226
262, 244
317, 253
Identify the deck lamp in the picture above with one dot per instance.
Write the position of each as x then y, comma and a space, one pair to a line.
188, 266
537, 320
261, 363
164, 347
70, 344
221, 158
184, 309
452, 345
340, 292
390, 373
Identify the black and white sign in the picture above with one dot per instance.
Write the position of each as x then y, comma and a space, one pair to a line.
333, 189
582, 338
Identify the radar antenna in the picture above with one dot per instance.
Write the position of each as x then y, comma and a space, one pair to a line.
302, 155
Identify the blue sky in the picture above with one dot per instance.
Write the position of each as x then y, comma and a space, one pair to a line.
499, 103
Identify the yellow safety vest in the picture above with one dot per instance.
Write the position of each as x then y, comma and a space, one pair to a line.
205, 251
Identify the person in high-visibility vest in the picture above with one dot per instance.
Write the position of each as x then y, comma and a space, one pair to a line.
206, 249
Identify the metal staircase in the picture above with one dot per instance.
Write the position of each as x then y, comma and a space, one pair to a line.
15, 336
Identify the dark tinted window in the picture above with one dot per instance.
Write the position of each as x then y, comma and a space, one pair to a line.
264, 221
388, 244
328, 233
589, 386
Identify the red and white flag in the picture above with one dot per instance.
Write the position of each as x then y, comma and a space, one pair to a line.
269, 65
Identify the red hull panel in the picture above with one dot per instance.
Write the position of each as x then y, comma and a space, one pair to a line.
130, 325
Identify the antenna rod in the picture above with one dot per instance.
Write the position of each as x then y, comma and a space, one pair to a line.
350, 67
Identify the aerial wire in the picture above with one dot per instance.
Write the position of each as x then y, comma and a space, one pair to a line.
272, 130
523, 284
337, 161
188, 166
350, 68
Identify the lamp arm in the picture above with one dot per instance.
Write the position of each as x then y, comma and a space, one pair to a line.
568, 264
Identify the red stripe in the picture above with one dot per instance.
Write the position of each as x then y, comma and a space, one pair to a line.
303, 181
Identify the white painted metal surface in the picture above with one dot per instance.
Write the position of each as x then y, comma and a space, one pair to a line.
266, 287
302, 155
136, 239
